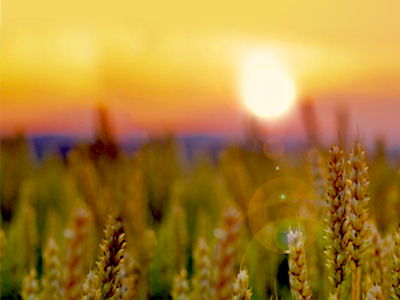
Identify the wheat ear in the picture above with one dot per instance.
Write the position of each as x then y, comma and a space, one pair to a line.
377, 262
30, 287
51, 280
241, 289
375, 293
396, 265
225, 254
110, 259
202, 263
90, 287
358, 183
180, 289
299, 286
336, 228
75, 253
127, 279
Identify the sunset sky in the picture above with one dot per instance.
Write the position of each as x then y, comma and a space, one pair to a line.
179, 65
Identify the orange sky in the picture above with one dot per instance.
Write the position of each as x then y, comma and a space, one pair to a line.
173, 64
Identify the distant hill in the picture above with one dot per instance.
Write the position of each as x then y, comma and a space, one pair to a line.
191, 144
60, 144
45, 144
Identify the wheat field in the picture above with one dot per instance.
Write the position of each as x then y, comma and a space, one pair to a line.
153, 224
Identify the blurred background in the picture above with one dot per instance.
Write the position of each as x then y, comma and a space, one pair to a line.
178, 67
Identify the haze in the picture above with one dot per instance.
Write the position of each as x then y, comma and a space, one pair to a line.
176, 65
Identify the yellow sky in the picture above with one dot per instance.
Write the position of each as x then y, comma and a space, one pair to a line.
170, 57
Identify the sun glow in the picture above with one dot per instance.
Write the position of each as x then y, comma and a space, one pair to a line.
267, 92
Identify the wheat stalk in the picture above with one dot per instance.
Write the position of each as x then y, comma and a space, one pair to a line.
317, 177
3, 243
316, 173
387, 255
336, 228
179, 225
358, 183
30, 230
145, 255
370, 262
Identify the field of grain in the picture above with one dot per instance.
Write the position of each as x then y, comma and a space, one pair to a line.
154, 224
199, 150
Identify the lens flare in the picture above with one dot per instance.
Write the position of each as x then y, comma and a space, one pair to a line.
273, 148
279, 204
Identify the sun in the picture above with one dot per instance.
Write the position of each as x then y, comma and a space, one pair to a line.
267, 92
